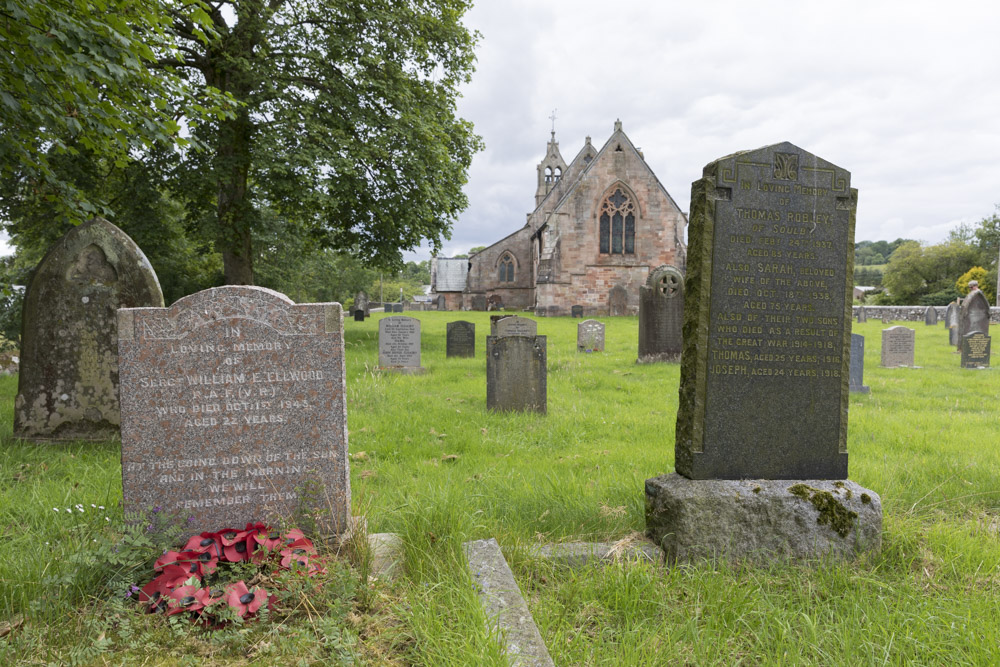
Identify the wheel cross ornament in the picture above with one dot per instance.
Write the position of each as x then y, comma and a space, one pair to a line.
666, 280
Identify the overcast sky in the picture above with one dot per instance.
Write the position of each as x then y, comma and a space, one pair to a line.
903, 94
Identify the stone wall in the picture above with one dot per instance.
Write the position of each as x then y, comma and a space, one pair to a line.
483, 271
911, 313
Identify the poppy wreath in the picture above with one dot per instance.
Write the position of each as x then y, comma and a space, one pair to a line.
192, 580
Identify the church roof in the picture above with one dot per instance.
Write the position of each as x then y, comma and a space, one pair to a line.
451, 274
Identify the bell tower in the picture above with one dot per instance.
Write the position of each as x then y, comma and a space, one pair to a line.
552, 166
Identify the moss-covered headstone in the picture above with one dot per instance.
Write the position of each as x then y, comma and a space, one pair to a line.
68, 382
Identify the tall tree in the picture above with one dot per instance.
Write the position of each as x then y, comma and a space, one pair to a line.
347, 131
75, 76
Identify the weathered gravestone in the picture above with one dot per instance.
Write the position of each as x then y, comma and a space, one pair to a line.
68, 383
930, 316
862, 315
857, 379
515, 326
362, 303
661, 315
516, 373
461, 339
10, 363
233, 410
590, 336
951, 322
478, 302
442, 303
494, 302
493, 322
897, 346
762, 419
976, 350
399, 344
576, 311
618, 301
973, 315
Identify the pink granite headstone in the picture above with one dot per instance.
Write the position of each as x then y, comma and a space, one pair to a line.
233, 410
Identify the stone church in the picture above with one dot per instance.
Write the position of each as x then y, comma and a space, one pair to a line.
599, 225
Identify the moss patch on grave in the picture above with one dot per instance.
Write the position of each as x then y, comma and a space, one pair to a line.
831, 511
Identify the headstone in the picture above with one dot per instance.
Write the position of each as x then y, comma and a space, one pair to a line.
857, 380
359, 315
494, 302
661, 315
478, 302
765, 369
9, 363
897, 346
442, 303
233, 410
397, 307
576, 311
516, 373
976, 350
764, 373
886, 319
951, 322
862, 315
461, 339
493, 322
930, 316
399, 344
973, 315
67, 387
618, 301
515, 326
590, 336
362, 303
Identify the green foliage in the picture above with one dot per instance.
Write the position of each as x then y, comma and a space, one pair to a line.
867, 276
978, 274
76, 76
867, 253
915, 271
942, 298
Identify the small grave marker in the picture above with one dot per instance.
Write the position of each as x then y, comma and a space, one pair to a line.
862, 315
857, 380
590, 336
399, 344
516, 374
898, 343
976, 350
661, 315
930, 316
461, 339
576, 311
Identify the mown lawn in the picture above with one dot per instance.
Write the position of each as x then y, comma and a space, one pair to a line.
429, 463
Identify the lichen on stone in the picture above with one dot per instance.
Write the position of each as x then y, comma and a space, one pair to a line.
832, 512
866, 499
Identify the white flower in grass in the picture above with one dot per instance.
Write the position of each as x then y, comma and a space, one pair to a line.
55, 509
69, 510
100, 507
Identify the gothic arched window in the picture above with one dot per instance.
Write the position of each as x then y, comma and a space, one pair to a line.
506, 269
617, 230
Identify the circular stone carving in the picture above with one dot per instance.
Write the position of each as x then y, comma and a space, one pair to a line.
666, 280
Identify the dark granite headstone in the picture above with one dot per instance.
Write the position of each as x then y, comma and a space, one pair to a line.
397, 307
862, 315
359, 315
897, 346
67, 388
618, 301
661, 316
461, 339
516, 374
576, 311
478, 302
399, 344
767, 309
857, 380
233, 409
930, 316
515, 326
973, 315
976, 350
590, 336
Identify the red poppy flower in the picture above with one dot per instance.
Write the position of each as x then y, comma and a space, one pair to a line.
297, 558
198, 563
205, 542
230, 536
184, 599
169, 558
243, 600
293, 535
302, 543
237, 552
157, 591
269, 539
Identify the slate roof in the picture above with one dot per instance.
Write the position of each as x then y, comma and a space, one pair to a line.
451, 274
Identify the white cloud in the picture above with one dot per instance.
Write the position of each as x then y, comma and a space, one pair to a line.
901, 94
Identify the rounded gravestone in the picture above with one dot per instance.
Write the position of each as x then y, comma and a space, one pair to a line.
667, 280
68, 385
661, 315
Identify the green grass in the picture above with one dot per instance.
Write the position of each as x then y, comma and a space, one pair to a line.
440, 470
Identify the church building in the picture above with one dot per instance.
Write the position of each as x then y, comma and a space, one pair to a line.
600, 224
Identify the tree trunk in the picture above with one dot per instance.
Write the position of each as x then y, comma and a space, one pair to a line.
234, 209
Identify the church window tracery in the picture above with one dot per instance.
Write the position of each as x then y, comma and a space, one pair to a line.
505, 273
617, 224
